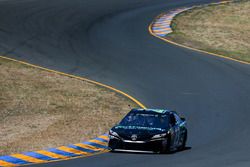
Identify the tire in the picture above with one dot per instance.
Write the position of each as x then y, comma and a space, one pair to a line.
183, 145
166, 146
111, 147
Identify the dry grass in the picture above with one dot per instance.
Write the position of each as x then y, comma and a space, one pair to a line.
39, 109
223, 29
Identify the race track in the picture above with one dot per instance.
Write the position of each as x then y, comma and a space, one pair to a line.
108, 41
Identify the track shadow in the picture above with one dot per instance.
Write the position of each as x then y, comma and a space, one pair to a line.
176, 151
148, 152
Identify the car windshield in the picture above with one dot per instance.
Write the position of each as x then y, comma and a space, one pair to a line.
152, 120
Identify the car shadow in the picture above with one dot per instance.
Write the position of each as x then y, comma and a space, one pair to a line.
176, 151
147, 152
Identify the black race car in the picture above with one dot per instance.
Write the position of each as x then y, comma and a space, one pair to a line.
154, 130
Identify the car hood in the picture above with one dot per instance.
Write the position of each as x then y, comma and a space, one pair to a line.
142, 133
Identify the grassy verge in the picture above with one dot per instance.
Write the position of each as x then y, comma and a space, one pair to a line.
222, 29
39, 109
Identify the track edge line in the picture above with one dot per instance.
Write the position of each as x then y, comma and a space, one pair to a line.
188, 47
79, 78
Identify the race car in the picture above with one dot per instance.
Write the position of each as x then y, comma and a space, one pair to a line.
156, 130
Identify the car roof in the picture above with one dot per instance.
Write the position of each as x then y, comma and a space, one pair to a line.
160, 111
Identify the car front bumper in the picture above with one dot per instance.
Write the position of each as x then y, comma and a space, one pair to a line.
154, 145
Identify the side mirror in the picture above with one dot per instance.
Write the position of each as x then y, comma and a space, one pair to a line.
183, 119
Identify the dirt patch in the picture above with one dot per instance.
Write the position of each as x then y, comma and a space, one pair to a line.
39, 109
223, 29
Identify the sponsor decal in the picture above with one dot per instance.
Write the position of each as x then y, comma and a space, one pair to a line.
138, 127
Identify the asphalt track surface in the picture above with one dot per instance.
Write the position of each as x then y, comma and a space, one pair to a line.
108, 41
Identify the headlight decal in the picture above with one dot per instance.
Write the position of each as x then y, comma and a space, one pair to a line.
113, 133
159, 136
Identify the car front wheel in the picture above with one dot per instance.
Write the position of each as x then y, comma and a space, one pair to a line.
165, 145
184, 140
